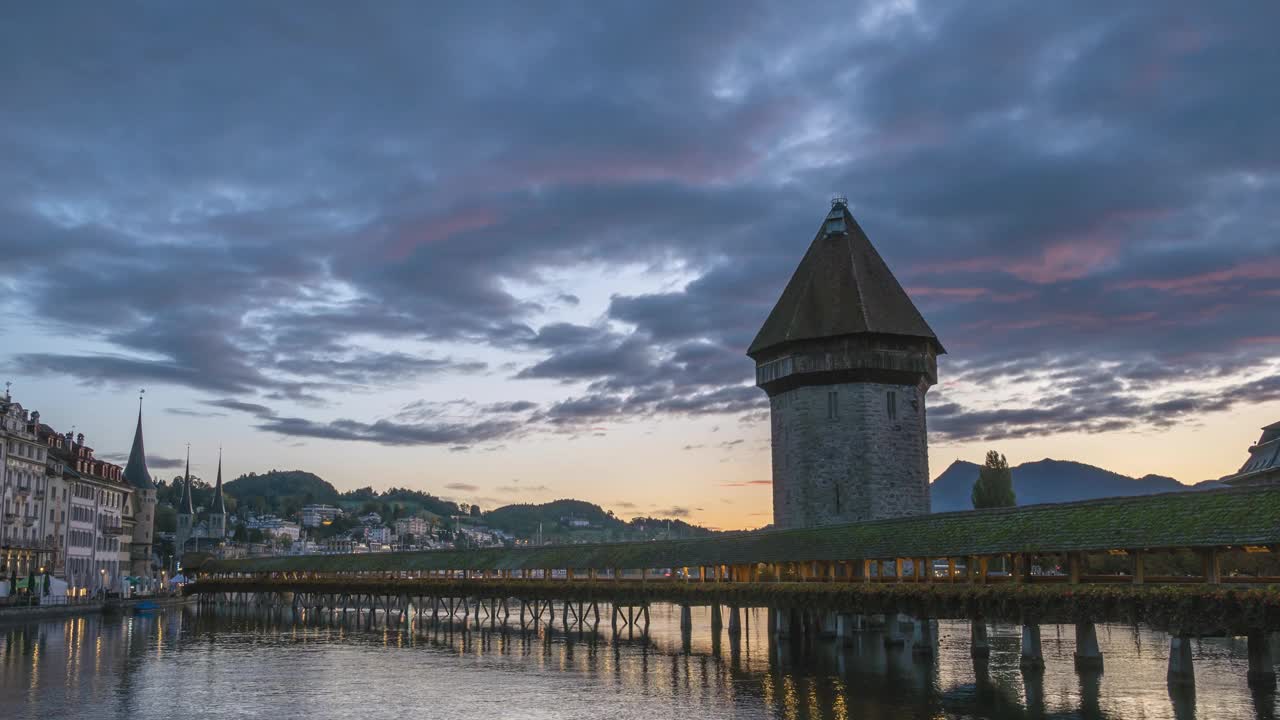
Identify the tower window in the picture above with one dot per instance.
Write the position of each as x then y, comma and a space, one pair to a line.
837, 499
833, 405
891, 404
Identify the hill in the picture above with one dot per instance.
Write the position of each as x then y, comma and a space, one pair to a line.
523, 519
1048, 481
281, 492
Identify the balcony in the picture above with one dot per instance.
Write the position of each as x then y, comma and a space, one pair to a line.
29, 520
39, 495
23, 490
10, 517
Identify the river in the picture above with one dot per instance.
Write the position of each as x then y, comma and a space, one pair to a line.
191, 663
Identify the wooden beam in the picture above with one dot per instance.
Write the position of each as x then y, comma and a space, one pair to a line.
1075, 561
1139, 567
1211, 562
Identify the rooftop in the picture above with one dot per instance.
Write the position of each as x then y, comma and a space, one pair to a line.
841, 287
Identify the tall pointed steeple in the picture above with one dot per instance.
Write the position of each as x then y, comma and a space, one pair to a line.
135, 471
219, 506
186, 505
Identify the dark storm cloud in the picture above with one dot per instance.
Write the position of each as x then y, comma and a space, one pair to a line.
237, 199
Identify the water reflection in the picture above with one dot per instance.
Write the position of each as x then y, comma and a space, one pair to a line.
205, 662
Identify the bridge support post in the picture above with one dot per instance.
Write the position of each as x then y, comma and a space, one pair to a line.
686, 618
781, 620
735, 620
1088, 657
1032, 657
829, 626
1182, 672
924, 638
979, 645
716, 620
893, 636
1262, 673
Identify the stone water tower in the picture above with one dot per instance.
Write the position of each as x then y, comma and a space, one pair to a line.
846, 360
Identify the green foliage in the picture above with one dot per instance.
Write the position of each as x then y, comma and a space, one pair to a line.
994, 486
523, 519
166, 518
280, 492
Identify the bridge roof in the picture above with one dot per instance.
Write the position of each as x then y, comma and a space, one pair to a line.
1208, 518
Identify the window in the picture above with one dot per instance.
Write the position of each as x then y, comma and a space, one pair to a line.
891, 404
837, 499
833, 405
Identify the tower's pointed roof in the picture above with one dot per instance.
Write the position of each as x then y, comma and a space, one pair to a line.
842, 287
135, 471
186, 507
219, 506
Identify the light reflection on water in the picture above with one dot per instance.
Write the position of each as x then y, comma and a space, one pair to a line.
201, 663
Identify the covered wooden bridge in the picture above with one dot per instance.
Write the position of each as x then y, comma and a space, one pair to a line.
1192, 563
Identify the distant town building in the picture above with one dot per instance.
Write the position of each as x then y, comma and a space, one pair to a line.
272, 526
1263, 465
415, 526
317, 515
380, 534
846, 358
372, 518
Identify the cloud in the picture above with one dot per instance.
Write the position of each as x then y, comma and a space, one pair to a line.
187, 412
387, 432
462, 487
1059, 187
674, 512
747, 483
522, 488
239, 406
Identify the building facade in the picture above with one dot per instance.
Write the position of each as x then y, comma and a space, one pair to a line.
100, 522
1263, 465
846, 360
26, 541
317, 515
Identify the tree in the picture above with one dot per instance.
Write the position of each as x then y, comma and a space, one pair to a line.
994, 487
475, 511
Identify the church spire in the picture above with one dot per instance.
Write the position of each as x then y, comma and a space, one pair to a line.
219, 506
186, 507
135, 471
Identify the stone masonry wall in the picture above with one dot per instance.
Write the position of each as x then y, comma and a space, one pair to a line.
859, 465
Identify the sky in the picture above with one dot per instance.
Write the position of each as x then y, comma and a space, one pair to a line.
516, 252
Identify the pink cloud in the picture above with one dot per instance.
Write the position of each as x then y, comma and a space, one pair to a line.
1208, 282
442, 229
965, 293
1067, 255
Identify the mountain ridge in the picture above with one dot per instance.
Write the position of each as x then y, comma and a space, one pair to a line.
1051, 481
